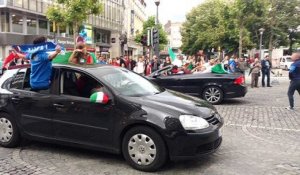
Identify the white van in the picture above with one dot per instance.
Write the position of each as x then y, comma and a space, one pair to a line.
285, 62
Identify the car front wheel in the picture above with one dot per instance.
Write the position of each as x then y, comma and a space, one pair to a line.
9, 133
144, 149
213, 94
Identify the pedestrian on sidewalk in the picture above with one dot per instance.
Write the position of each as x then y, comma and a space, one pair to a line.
294, 75
266, 66
255, 73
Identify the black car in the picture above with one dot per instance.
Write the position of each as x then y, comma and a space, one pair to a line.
211, 87
110, 109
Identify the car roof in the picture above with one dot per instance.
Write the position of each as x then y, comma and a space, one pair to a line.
80, 67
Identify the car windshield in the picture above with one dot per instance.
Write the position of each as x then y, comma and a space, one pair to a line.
288, 59
126, 82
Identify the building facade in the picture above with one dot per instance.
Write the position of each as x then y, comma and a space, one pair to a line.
133, 20
174, 35
22, 20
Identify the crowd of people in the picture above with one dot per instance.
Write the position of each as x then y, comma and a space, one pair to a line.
41, 60
191, 64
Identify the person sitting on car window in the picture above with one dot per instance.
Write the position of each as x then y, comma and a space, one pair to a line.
41, 65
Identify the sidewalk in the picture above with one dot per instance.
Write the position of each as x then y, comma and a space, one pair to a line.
275, 80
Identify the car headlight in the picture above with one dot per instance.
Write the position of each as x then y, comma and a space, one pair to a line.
190, 122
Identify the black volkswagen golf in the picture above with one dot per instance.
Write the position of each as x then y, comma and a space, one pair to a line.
109, 109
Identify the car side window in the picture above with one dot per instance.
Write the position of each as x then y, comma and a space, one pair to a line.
75, 83
18, 79
22, 80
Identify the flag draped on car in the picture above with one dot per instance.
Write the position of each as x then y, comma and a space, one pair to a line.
219, 69
64, 59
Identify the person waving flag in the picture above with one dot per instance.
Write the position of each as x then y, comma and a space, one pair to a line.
41, 65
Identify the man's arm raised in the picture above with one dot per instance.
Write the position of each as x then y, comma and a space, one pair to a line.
57, 51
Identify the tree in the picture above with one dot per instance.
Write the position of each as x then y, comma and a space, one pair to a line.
149, 24
209, 25
73, 12
246, 12
280, 16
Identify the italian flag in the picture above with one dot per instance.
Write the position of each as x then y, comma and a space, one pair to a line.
99, 97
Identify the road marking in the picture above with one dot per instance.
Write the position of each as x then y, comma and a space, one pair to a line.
263, 127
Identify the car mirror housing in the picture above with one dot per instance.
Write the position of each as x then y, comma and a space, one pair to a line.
157, 74
99, 97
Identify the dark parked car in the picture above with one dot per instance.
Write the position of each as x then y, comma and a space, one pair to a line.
211, 87
110, 109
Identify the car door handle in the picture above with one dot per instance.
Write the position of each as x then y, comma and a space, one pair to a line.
58, 105
16, 99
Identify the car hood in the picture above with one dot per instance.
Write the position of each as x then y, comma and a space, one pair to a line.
175, 104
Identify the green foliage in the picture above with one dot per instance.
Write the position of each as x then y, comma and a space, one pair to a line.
228, 24
73, 12
209, 25
149, 24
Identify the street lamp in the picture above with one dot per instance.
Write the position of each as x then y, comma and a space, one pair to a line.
157, 2
156, 44
291, 37
261, 32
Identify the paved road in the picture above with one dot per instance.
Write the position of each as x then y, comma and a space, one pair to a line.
260, 137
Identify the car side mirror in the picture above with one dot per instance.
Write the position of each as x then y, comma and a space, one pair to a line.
99, 97
156, 75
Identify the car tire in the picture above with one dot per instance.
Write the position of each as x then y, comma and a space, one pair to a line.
213, 94
9, 132
143, 141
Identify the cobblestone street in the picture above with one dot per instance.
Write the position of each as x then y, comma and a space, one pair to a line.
259, 137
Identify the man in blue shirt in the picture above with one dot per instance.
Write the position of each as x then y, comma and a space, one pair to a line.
294, 76
266, 66
41, 65
232, 65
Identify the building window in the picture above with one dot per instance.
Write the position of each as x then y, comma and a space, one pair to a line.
62, 31
104, 38
25, 4
17, 23
4, 22
71, 30
32, 5
51, 28
39, 6
31, 25
45, 7
43, 27
18, 3
1, 2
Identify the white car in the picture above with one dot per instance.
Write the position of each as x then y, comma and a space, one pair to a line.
285, 62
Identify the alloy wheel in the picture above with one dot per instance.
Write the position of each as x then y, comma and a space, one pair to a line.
6, 130
212, 95
142, 149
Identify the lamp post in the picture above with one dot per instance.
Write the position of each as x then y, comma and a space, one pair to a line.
156, 33
291, 37
261, 32
157, 2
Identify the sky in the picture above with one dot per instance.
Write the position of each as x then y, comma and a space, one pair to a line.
174, 10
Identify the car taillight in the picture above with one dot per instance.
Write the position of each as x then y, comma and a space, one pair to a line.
240, 80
